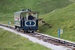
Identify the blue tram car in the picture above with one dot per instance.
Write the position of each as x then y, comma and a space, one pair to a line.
26, 20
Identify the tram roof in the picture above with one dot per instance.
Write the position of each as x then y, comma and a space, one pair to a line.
27, 11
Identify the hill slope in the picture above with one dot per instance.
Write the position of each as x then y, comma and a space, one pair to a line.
8, 7
64, 19
43, 6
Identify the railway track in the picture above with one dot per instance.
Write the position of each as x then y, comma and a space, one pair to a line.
48, 39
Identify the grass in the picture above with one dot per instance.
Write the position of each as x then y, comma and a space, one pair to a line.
11, 41
8, 7
43, 6
62, 18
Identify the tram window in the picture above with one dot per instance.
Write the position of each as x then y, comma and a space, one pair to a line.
35, 15
23, 15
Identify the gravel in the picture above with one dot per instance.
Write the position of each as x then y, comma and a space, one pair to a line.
55, 37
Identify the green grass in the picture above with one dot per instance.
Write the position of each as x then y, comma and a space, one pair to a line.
43, 6
64, 19
8, 7
11, 41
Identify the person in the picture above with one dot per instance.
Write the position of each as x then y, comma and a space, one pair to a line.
22, 21
25, 18
30, 17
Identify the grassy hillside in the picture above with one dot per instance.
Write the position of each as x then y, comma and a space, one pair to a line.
64, 19
43, 6
11, 41
8, 7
